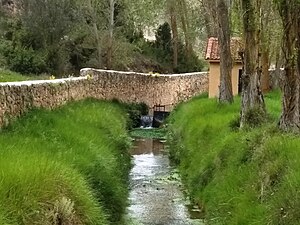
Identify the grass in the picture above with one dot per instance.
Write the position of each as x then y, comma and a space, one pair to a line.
237, 177
67, 166
10, 76
155, 133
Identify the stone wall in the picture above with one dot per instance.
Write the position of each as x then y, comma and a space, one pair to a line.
18, 97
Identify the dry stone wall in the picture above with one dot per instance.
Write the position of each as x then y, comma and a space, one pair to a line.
19, 97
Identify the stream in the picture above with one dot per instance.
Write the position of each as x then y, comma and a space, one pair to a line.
156, 196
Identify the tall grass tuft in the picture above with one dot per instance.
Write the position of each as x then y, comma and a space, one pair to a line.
67, 166
249, 176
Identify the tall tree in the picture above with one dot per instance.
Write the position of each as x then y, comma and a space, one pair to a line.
47, 27
289, 11
270, 29
210, 14
223, 21
174, 28
92, 8
252, 97
265, 14
183, 10
110, 33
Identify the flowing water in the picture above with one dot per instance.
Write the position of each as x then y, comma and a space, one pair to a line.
156, 196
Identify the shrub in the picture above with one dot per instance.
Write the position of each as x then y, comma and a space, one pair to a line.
255, 117
161, 51
189, 64
25, 61
134, 112
235, 123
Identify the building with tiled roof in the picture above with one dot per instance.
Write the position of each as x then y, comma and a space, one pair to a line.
212, 55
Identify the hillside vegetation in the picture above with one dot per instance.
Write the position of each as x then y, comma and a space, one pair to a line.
10, 76
67, 166
249, 176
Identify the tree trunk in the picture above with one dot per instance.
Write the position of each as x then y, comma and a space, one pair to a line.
252, 98
277, 77
265, 78
174, 35
290, 118
265, 14
98, 43
225, 92
110, 33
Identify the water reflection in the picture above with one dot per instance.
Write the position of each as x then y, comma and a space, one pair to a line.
155, 199
147, 146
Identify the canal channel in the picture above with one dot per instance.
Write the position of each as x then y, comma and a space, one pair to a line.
156, 193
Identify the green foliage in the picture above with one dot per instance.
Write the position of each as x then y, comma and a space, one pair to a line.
235, 123
123, 54
26, 53
149, 133
255, 117
237, 176
188, 63
134, 112
161, 51
25, 61
9, 76
164, 38
64, 36
70, 164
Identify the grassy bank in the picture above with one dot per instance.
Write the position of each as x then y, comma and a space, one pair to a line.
155, 133
67, 166
237, 177
10, 76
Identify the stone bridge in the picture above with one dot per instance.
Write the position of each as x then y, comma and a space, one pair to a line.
152, 89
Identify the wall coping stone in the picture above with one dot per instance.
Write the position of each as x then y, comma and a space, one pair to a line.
34, 82
85, 71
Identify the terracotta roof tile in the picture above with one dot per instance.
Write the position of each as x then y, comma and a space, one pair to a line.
213, 52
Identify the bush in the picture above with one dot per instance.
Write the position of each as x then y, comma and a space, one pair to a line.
255, 117
190, 63
22, 60
134, 112
235, 123
161, 50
